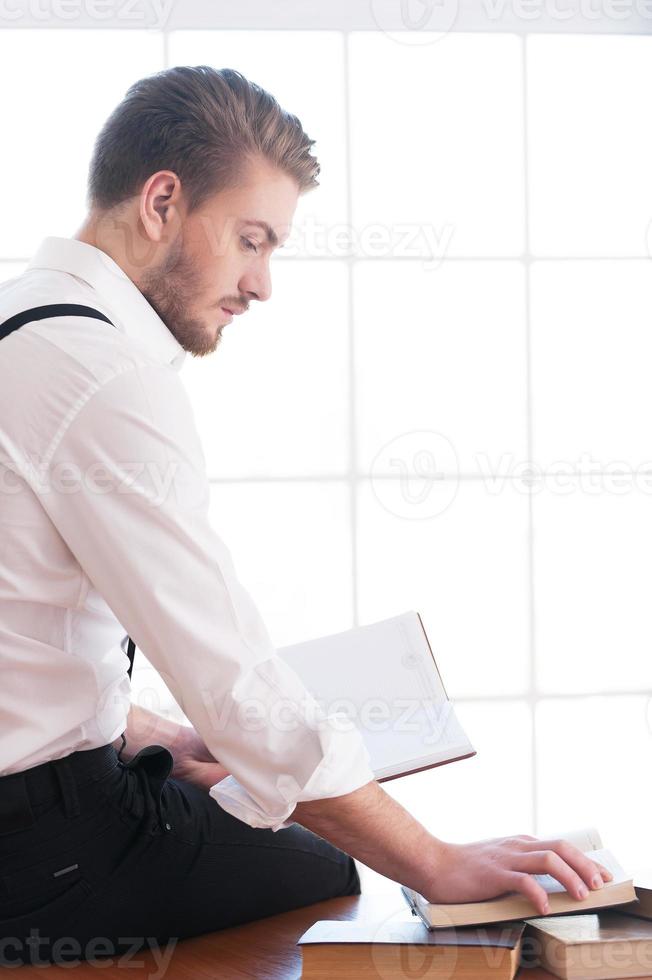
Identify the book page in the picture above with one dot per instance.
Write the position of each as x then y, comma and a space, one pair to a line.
389, 660
382, 678
603, 857
416, 733
587, 838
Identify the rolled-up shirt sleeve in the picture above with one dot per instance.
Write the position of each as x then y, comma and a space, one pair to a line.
124, 482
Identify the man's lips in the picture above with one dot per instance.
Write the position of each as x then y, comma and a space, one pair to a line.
229, 312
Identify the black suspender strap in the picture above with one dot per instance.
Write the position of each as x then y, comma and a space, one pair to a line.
43, 313
131, 650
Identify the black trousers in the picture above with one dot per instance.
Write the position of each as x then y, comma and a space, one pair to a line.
99, 858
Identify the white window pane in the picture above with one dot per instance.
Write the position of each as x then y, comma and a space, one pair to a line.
291, 547
590, 149
433, 149
304, 71
591, 351
476, 798
464, 569
593, 584
52, 117
273, 400
594, 759
444, 351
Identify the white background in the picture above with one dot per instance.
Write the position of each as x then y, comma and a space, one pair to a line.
370, 431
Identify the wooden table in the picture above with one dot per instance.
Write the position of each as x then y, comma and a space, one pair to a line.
262, 950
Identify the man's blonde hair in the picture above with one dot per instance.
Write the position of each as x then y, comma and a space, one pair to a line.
202, 123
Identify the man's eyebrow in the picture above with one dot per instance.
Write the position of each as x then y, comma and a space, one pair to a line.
272, 237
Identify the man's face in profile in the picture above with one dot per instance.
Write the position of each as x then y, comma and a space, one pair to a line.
220, 260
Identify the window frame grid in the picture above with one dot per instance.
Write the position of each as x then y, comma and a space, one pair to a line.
532, 696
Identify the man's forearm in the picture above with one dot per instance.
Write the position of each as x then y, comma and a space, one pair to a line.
371, 826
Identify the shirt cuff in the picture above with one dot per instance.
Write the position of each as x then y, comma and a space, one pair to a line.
344, 767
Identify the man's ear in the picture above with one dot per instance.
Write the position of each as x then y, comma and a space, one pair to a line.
160, 201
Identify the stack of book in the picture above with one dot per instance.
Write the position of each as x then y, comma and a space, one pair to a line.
604, 946
606, 936
607, 945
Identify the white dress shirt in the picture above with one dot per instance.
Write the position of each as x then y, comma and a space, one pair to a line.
104, 532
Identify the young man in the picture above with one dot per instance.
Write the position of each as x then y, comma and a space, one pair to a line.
193, 183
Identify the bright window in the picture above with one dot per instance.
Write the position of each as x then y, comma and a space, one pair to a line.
446, 405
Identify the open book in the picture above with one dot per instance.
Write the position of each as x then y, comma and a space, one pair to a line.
384, 678
514, 905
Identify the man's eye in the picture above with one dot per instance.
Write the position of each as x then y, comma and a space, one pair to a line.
249, 245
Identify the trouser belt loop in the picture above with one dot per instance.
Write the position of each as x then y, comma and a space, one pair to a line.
15, 809
67, 786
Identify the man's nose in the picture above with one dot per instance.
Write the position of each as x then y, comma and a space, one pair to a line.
257, 285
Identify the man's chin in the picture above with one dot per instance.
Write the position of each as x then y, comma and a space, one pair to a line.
202, 350
197, 337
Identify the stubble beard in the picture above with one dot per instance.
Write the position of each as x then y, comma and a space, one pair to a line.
171, 288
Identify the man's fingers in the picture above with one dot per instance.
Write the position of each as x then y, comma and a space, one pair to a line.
521, 882
587, 869
549, 863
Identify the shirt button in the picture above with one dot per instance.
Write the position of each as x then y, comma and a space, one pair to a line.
168, 827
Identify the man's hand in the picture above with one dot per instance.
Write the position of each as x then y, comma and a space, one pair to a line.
486, 869
193, 762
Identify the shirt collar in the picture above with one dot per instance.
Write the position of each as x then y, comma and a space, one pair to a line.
129, 310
